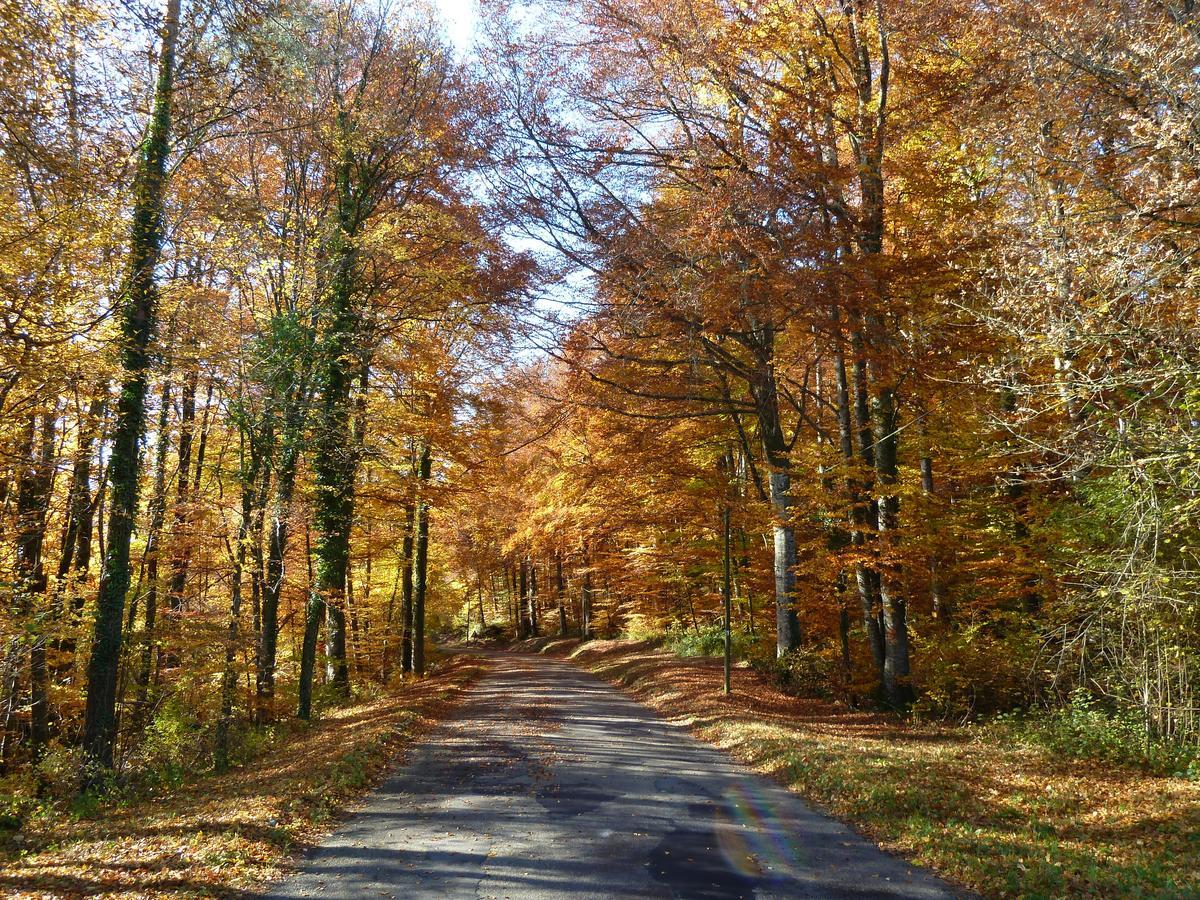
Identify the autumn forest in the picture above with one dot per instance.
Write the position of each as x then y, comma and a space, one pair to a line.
859, 338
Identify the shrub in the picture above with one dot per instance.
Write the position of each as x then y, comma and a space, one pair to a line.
709, 640
642, 628
806, 671
88, 804
247, 742
172, 746
352, 771
978, 669
59, 771
366, 690
14, 808
1088, 728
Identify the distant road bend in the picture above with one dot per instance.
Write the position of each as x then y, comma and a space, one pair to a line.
548, 783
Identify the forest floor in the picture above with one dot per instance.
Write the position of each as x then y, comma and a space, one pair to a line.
1005, 820
222, 835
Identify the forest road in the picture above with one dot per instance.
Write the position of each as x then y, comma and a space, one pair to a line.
549, 783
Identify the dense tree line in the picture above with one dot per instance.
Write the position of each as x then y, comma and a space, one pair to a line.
909, 288
236, 351
318, 337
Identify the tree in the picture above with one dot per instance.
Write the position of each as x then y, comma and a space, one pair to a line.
138, 308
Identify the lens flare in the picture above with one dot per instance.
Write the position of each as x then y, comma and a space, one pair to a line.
752, 837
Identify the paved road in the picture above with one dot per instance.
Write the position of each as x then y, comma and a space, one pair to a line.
549, 783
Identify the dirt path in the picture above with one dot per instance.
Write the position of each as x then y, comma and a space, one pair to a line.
549, 783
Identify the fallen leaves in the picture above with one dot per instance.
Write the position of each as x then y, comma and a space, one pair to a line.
222, 835
1005, 820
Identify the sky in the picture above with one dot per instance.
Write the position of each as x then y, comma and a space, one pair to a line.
460, 18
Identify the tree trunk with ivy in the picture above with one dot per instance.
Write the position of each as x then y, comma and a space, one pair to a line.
138, 307
335, 456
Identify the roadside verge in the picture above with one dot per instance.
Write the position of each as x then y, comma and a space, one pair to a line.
222, 835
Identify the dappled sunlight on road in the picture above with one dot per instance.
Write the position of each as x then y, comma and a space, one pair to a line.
550, 783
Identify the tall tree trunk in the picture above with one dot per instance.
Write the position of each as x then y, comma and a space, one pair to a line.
727, 595
258, 570
335, 460
354, 637
891, 597
534, 628
868, 512
744, 565
937, 591
421, 564
406, 588
79, 562
137, 314
1017, 489
585, 597
187, 490
180, 541
560, 591
79, 500
787, 626
389, 625
872, 82
314, 611
229, 672
360, 626
281, 511
337, 666
865, 578
516, 593
33, 499
90, 511
766, 402
252, 463
158, 504
10, 680
523, 596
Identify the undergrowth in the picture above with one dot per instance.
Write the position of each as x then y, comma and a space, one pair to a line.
1086, 728
1083, 728
708, 640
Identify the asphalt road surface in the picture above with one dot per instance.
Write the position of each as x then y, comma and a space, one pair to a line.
549, 783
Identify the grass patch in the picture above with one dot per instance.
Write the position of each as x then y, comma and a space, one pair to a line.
221, 835
1088, 730
1004, 815
709, 640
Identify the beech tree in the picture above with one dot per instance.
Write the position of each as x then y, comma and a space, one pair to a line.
872, 323
138, 310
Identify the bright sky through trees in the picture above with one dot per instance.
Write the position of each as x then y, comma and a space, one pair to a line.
460, 18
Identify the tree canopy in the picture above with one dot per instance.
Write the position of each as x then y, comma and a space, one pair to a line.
320, 337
